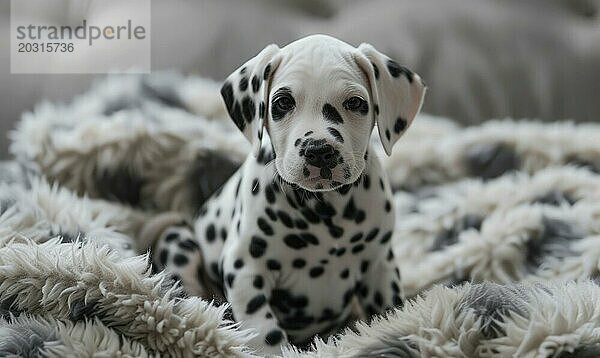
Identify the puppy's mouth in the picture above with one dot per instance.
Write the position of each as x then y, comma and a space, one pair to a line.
316, 179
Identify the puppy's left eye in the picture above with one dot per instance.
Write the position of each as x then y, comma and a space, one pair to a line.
356, 104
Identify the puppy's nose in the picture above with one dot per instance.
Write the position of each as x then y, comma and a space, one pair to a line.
321, 155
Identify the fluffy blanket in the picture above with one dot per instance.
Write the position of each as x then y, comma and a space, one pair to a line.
497, 237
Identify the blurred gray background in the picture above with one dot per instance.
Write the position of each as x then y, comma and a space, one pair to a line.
481, 59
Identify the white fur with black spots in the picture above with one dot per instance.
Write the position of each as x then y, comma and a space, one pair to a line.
304, 226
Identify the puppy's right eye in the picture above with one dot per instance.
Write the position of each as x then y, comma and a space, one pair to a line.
284, 103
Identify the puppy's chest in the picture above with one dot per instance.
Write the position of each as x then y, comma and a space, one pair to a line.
318, 230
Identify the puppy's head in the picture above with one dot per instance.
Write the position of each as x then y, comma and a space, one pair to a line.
319, 99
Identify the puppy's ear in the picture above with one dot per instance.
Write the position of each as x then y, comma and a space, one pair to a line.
246, 94
397, 94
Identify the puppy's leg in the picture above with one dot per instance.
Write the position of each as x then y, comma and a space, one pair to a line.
379, 290
177, 252
248, 291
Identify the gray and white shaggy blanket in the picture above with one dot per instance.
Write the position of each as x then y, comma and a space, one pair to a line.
497, 236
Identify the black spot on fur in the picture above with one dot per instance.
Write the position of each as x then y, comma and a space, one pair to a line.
269, 194
301, 224
180, 260
261, 110
162, 257
336, 231
344, 189
366, 182
255, 187
285, 218
223, 234
364, 266
371, 235
370, 310
400, 125
310, 215
293, 241
189, 245
214, 267
234, 109
327, 315
255, 303
255, 84
356, 237
211, 233
265, 156
395, 70
324, 210
258, 246
267, 72
316, 271
345, 274
361, 289
248, 109
264, 226
274, 337
229, 279
310, 238
243, 84
388, 135
258, 282
273, 265
358, 248
300, 241
375, 70
378, 298
386, 237
376, 109
298, 321
238, 264
172, 237
331, 114
336, 134
360, 216
271, 214
299, 263
387, 206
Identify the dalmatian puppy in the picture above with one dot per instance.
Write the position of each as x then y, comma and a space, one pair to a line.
304, 226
